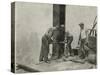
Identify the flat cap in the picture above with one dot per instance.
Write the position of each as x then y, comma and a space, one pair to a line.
81, 24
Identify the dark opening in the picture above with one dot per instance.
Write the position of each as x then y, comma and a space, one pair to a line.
59, 33
62, 14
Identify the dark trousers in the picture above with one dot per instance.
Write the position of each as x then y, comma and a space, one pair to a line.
55, 51
61, 50
82, 52
68, 50
44, 54
58, 50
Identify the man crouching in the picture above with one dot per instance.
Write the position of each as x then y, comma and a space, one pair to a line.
68, 41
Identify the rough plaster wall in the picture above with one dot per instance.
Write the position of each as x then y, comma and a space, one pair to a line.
77, 14
32, 20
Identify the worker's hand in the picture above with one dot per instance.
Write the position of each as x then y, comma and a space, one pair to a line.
79, 42
78, 46
65, 41
54, 41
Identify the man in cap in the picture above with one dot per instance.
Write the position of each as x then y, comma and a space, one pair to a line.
82, 40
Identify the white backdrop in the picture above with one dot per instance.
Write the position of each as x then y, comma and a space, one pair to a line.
5, 36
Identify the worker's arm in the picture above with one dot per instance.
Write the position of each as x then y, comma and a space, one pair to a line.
70, 40
79, 39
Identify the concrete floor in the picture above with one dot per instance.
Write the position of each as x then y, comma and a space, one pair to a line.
70, 63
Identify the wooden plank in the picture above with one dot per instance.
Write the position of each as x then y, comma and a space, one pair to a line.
26, 68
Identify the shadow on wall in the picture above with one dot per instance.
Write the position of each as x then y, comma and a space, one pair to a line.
28, 49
